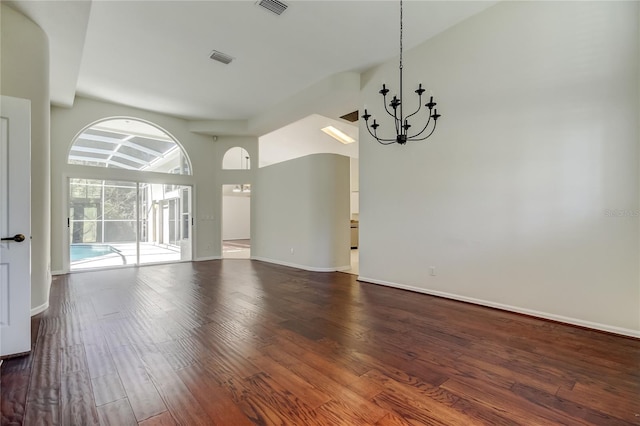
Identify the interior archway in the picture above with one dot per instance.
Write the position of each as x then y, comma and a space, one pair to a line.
236, 158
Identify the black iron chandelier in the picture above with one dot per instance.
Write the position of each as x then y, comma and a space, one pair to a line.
401, 122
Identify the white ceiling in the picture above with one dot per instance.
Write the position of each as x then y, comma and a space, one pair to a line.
65, 22
304, 137
155, 54
290, 72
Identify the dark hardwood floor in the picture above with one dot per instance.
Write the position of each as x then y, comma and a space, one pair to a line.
239, 343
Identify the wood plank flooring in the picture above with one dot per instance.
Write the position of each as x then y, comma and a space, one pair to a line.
247, 343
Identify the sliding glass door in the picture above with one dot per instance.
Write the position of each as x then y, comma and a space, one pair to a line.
115, 223
165, 223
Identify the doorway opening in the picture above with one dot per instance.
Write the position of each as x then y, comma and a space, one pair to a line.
355, 217
236, 221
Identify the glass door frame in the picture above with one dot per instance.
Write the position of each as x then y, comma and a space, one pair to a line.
182, 189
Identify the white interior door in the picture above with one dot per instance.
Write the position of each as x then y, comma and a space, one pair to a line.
15, 226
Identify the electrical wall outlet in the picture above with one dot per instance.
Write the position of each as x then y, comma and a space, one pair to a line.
432, 271
292, 250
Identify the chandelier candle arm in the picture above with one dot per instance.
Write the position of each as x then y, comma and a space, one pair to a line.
425, 137
420, 91
373, 133
401, 122
435, 116
384, 92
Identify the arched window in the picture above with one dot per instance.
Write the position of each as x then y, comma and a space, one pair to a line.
236, 158
126, 143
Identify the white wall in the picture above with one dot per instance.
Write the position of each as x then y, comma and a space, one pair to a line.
538, 142
206, 160
303, 205
236, 217
355, 188
25, 74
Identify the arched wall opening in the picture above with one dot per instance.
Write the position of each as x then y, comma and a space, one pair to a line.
236, 206
236, 158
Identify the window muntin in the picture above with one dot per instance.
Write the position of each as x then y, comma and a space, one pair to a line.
128, 144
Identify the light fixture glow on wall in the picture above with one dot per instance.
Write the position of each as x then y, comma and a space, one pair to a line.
338, 135
400, 120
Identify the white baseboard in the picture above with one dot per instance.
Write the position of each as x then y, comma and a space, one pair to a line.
559, 318
203, 259
343, 268
297, 266
40, 309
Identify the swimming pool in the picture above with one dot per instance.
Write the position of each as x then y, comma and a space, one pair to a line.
88, 251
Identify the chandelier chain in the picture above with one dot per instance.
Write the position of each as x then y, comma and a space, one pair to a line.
399, 128
400, 37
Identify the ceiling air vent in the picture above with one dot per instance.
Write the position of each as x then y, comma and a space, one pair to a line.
221, 57
274, 6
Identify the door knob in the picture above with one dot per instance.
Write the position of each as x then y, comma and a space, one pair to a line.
18, 238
